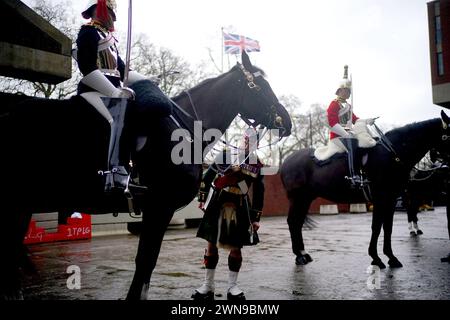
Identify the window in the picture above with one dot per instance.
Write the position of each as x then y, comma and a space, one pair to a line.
440, 64
438, 34
437, 8
437, 22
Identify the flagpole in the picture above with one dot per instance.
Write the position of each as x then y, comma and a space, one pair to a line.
128, 54
353, 90
223, 49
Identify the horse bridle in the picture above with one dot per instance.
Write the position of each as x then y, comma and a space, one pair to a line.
272, 114
386, 143
274, 118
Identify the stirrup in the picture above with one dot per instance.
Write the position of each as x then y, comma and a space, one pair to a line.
357, 181
118, 179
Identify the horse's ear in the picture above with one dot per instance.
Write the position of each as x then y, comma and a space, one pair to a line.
445, 120
246, 60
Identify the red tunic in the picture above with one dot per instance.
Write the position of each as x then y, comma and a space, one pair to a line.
334, 117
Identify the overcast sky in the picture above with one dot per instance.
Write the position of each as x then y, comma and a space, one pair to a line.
305, 44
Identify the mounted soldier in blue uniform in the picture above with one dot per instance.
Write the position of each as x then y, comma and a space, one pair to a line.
102, 85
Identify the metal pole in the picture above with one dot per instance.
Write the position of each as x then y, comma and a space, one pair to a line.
223, 49
128, 54
351, 101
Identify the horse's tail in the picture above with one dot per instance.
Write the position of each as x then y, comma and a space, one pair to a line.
310, 223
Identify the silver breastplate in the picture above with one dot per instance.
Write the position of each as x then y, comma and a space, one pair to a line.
107, 57
345, 114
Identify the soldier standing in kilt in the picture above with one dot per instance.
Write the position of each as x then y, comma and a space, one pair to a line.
231, 220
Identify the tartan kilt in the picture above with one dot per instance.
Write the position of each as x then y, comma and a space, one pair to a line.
226, 222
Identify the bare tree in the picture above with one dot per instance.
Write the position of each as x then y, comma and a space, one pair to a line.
309, 127
175, 73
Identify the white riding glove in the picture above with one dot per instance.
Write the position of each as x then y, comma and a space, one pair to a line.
124, 92
370, 121
340, 131
98, 81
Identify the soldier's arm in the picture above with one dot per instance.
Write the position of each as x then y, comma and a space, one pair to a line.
87, 46
333, 113
207, 180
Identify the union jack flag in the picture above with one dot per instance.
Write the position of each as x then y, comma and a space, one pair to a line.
234, 44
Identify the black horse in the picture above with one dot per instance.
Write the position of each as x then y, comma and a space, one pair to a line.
52, 151
425, 187
388, 172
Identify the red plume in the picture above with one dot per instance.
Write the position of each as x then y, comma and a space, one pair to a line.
102, 10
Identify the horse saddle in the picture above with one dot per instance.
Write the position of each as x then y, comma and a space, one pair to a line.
361, 156
323, 161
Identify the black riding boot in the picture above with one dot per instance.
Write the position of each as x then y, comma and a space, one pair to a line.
356, 179
117, 177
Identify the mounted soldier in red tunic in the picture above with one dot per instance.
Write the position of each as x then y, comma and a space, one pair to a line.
342, 119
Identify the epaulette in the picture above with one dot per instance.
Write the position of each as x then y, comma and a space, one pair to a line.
97, 26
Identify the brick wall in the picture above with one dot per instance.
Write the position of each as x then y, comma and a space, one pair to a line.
276, 202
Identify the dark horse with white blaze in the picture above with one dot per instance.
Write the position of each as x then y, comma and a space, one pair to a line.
52, 151
388, 173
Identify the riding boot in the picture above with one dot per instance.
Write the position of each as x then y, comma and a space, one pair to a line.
117, 177
355, 178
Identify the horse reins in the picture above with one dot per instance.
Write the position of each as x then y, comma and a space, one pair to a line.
271, 110
386, 143
250, 77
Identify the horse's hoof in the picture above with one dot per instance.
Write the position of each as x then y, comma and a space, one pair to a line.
446, 259
378, 263
394, 263
308, 258
419, 232
412, 233
300, 260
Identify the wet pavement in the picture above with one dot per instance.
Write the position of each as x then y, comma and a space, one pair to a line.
338, 246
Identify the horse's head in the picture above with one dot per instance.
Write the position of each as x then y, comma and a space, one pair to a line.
443, 146
259, 102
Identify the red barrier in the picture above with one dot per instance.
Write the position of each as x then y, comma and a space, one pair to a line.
75, 229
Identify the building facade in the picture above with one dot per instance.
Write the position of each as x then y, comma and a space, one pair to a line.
439, 31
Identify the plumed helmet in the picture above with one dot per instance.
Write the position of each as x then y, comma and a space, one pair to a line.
87, 12
345, 82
